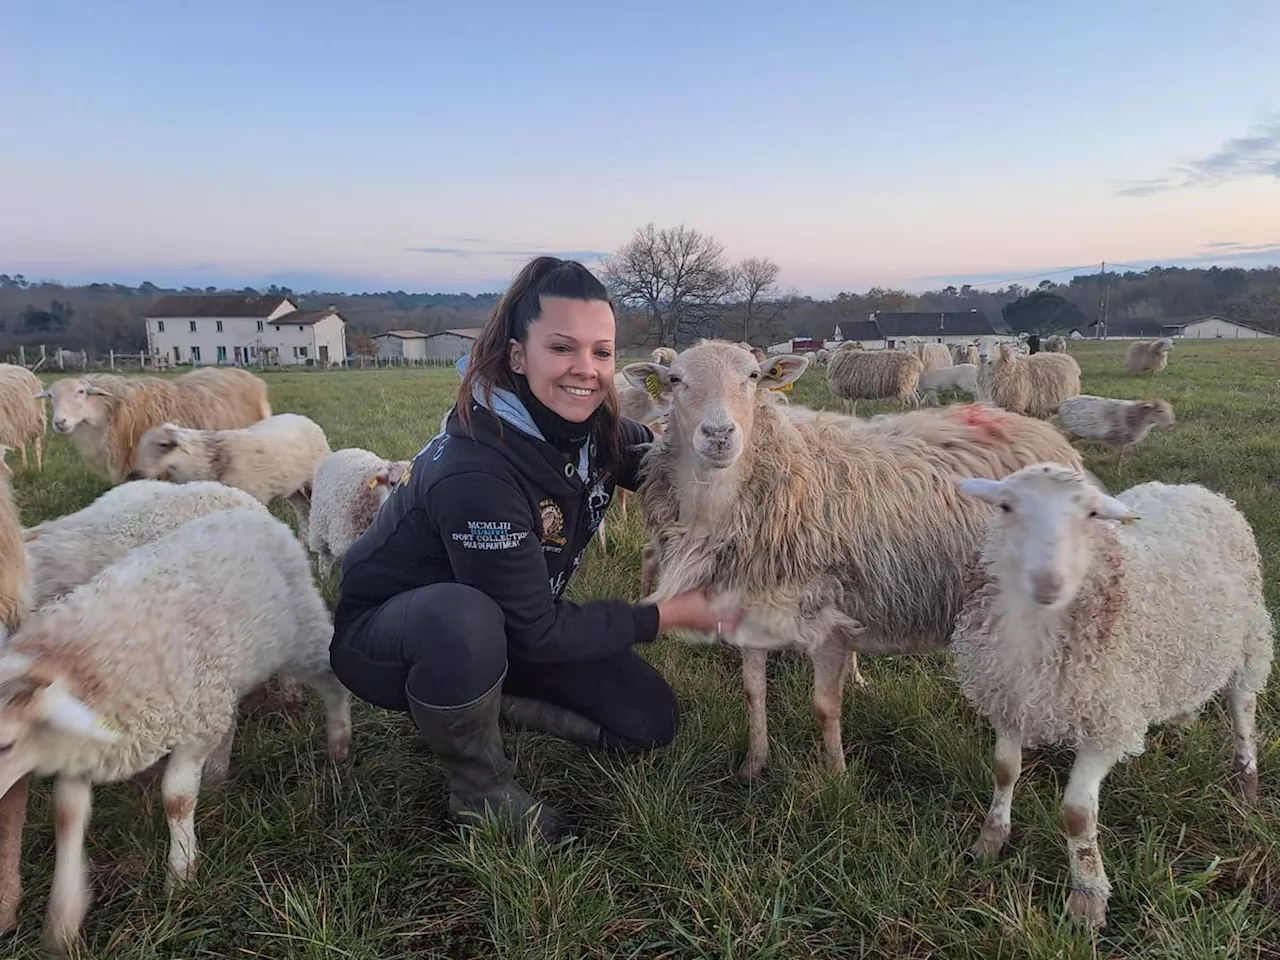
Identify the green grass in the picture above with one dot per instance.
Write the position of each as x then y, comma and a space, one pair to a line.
678, 859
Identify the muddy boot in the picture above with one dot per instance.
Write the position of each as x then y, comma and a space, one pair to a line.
468, 744
525, 713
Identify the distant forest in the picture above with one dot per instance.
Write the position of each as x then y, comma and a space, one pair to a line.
108, 316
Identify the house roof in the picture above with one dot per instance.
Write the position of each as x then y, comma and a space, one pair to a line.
469, 332
956, 323
218, 305
303, 318
1140, 326
402, 335
860, 330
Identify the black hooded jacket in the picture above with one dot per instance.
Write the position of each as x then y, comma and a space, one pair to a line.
510, 515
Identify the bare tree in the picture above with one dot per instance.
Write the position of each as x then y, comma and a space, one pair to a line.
678, 276
755, 285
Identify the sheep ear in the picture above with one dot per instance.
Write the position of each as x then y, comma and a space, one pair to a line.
778, 372
93, 391
44, 394
1109, 508
647, 376
981, 487
68, 714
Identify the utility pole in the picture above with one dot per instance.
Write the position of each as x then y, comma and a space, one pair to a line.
1104, 307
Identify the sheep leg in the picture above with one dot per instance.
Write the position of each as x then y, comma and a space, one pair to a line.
291, 696
218, 765
179, 788
1244, 712
600, 536
624, 496
13, 817
1090, 888
301, 505
648, 568
337, 713
855, 675
69, 899
22, 455
830, 668
995, 829
754, 670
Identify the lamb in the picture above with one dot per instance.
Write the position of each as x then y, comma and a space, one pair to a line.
854, 375
960, 378
273, 458
858, 540
1148, 355
105, 415
129, 668
1034, 385
1076, 630
934, 356
1120, 424
349, 488
22, 419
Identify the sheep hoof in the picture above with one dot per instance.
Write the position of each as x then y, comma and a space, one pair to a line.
9, 915
1088, 906
751, 769
1246, 785
990, 842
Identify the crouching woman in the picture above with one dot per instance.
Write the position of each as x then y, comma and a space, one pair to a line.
450, 605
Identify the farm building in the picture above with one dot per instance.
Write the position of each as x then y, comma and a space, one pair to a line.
956, 326
401, 344
866, 332
235, 329
1220, 328
413, 345
1205, 327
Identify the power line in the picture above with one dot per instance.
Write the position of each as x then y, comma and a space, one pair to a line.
1034, 276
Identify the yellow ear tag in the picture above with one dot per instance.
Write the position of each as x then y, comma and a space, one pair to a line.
373, 483
1128, 520
654, 386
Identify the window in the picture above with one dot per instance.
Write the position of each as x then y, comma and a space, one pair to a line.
159, 326
219, 323
300, 352
222, 354
300, 326
195, 354
193, 326
259, 326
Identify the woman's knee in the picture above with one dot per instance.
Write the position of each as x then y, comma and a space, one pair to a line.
649, 724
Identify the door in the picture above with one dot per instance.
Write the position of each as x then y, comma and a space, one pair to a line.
324, 355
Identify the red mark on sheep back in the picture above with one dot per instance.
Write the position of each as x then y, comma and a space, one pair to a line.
988, 423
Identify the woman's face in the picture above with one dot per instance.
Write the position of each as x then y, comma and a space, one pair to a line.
568, 357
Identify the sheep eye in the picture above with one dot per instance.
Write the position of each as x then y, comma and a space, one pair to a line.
671, 378
1093, 513
1006, 508
6, 747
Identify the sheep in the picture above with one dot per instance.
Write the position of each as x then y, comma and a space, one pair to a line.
663, 355
15, 580
821, 356
1054, 344
964, 353
22, 419
275, 457
1034, 385
1120, 424
1076, 630
857, 541
1148, 355
854, 375
349, 488
934, 356
130, 668
960, 378
105, 415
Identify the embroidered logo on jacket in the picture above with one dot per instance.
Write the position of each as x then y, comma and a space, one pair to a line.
490, 535
552, 523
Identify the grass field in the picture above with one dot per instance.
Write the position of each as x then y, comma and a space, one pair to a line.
677, 858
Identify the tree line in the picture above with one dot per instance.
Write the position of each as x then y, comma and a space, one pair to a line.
673, 285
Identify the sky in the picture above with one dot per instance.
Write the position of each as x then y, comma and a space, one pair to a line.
429, 146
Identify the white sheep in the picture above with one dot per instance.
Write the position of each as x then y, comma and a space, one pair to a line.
854, 375
1148, 355
131, 668
22, 418
15, 579
959, 378
934, 356
349, 488
1054, 344
1120, 424
1033, 385
964, 353
1080, 631
273, 458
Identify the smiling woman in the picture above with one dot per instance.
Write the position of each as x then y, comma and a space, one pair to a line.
450, 605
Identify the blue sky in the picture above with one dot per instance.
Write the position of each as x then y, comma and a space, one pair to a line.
432, 146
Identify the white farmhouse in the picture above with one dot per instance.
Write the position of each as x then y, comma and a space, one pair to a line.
236, 329
1220, 328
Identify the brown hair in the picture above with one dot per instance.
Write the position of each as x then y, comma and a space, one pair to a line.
521, 305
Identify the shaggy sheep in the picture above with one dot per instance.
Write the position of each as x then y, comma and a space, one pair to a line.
821, 356
663, 355
858, 539
129, 668
1076, 630
854, 375
1148, 355
273, 458
960, 378
15, 580
349, 489
105, 415
1033, 385
1054, 344
22, 418
934, 356
964, 353
1120, 424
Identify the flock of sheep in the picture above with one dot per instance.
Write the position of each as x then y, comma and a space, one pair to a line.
1072, 615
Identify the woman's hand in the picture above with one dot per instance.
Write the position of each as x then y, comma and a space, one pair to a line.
693, 610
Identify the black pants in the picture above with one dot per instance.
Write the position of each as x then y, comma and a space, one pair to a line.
446, 644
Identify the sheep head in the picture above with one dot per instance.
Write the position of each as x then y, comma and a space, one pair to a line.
1156, 412
1046, 518
715, 389
38, 714
76, 400
158, 451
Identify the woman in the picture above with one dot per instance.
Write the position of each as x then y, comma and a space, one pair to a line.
450, 603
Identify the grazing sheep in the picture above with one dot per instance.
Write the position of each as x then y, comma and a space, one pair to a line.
1033, 385
857, 540
821, 356
1148, 355
130, 668
960, 378
273, 458
349, 489
22, 418
663, 355
105, 415
854, 375
934, 356
1076, 630
1054, 344
1120, 424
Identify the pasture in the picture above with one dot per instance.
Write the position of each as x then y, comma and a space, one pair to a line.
677, 858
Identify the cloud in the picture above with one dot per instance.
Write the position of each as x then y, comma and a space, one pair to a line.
1240, 158
514, 252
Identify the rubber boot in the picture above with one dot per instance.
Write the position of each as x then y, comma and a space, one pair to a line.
525, 713
468, 744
